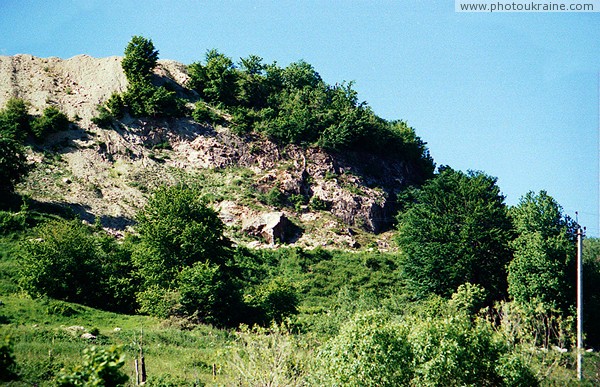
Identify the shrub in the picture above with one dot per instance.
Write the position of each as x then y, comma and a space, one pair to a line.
202, 113
317, 204
13, 164
157, 301
369, 351
468, 299
51, 121
298, 201
115, 105
12, 221
454, 349
275, 300
274, 198
14, 120
207, 294
104, 119
8, 364
67, 261
100, 367
269, 357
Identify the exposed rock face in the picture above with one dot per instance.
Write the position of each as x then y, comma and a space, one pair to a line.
273, 227
102, 169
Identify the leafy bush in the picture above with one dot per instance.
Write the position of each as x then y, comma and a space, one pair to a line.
13, 164
369, 351
202, 113
274, 300
269, 357
100, 367
468, 299
14, 120
298, 201
274, 198
67, 261
51, 121
157, 301
8, 364
317, 204
207, 294
104, 119
12, 221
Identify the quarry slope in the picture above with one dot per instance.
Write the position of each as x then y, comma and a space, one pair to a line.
327, 199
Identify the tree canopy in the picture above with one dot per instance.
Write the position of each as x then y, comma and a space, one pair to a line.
140, 59
543, 269
455, 229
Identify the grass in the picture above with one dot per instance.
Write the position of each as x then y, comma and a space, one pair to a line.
45, 341
332, 285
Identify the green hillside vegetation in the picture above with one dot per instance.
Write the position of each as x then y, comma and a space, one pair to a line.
479, 293
291, 105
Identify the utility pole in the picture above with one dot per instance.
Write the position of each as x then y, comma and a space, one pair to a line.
579, 302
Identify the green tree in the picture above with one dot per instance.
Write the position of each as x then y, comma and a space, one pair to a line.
140, 59
67, 261
543, 268
206, 293
14, 120
183, 250
146, 100
13, 164
216, 80
176, 230
453, 230
591, 290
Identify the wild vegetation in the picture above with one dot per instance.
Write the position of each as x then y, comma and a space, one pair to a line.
477, 293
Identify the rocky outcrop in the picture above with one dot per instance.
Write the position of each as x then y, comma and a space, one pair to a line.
108, 173
273, 227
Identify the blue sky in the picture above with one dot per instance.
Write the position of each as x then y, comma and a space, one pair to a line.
512, 94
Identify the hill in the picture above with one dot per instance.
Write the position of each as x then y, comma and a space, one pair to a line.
266, 192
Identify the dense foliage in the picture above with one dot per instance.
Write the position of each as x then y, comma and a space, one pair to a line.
51, 121
455, 229
140, 59
373, 349
142, 98
8, 363
100, 367
294, 105
66, 260
16, 125
543, 269
13, 164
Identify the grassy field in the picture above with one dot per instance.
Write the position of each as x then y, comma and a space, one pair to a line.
333, 286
